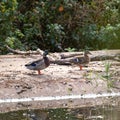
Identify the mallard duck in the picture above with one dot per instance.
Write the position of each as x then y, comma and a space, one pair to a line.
81, 61
39, 64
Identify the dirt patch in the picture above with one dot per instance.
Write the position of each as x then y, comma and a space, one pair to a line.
57, 80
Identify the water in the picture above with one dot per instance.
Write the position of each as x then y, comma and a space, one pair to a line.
104, 112
87, 113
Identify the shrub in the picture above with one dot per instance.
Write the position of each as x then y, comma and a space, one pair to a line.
109, 36
92, 24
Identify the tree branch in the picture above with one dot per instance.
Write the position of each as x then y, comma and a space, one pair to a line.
38, 51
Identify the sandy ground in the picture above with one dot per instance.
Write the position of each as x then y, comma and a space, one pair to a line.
57, 80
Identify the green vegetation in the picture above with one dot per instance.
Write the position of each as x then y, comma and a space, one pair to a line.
108, 75
91, 24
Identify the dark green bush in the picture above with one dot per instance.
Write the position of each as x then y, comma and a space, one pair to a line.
109, 36
28, 24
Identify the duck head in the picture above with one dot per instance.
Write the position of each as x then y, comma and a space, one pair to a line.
87, 52
45, 53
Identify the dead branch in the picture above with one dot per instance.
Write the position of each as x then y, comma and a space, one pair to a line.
96, 56
62, 61
64, 58
38, 51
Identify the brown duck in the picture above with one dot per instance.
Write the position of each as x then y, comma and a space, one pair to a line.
39, 64
81, 61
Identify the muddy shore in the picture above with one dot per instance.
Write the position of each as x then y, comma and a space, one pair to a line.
57, 80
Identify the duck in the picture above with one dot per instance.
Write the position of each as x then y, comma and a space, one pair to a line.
81, 61
39, 64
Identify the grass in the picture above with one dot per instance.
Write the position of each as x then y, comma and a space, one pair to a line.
108, 75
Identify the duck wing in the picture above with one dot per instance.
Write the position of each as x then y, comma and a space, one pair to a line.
36, 65
78, 60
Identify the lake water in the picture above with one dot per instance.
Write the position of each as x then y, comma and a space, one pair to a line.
88, 113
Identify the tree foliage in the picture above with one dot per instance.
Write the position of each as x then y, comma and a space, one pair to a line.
28, 24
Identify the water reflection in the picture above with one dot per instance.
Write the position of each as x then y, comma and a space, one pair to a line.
90, 113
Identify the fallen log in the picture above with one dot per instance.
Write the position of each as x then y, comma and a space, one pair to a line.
64, 58
96, 56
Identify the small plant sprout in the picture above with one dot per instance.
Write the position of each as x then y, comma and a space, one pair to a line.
108, 74
70, 49
107, 69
